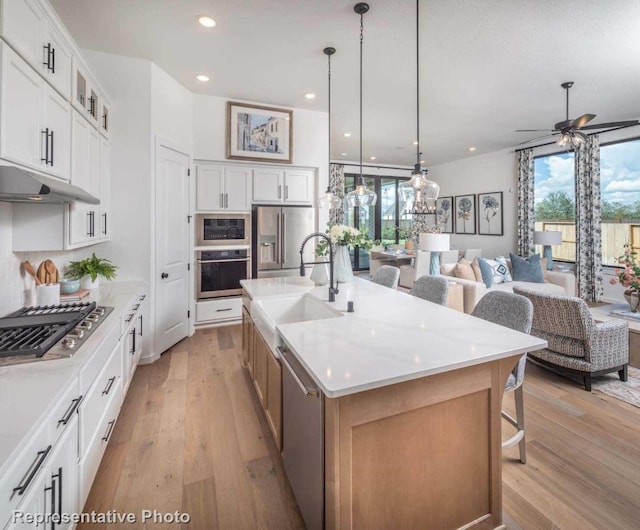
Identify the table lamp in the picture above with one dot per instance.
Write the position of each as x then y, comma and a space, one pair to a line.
435, 243
547, 239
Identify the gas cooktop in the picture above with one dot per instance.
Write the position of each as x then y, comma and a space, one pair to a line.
47, 332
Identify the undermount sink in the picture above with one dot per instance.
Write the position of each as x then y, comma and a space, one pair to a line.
271, 312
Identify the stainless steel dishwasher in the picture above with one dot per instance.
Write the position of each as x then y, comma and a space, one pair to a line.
303, 439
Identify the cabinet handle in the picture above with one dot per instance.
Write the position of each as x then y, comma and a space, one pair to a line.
136, 307
142, 297
133, 341
104, 228
31, 472
130, 318
106, 391
51, 160
106, 437
46, 146
104, 121
52, 489
286, 192
51, 58
140, 334
72, 408
225, 309
58, 475
279, 191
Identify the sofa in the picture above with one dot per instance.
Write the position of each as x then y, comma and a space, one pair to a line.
554, 283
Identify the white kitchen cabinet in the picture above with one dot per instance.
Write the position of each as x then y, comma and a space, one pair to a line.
222, 188
86, 98
104, 227
35, 128
23, 92
104, 118
219, 310
57, 126
36, 38
132, 342
23, 25
277, 186
34, 503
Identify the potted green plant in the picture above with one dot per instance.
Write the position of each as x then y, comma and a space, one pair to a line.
89, 270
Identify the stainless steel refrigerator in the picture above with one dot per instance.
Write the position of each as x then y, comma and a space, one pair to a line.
278, 232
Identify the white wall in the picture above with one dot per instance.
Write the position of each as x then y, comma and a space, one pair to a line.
490, 172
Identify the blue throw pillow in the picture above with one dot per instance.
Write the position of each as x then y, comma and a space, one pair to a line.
487, 272
526, 269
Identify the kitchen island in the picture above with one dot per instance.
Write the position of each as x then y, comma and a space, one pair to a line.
411, 396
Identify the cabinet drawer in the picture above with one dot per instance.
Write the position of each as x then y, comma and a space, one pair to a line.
93, 366
90, 459
64, 411
218, 310
16, 484
106, 387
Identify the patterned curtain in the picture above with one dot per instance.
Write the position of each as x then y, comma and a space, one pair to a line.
526, 205
588, 218
336, 185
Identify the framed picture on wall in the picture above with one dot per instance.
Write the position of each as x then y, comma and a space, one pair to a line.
444, 214
490, 214
259, 133
465, 214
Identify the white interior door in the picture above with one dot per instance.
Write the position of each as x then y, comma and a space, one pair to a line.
172, 247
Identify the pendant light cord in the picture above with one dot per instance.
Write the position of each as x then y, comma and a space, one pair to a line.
329, 135
361, 39
418, 82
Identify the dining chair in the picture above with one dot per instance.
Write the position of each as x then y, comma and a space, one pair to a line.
431, 288
418, 267
387, 275
516, 312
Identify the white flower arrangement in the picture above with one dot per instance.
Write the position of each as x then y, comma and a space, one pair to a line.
344, 236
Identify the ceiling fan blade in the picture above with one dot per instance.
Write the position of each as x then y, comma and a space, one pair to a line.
582, 120
534, 130
611, 124
537, 138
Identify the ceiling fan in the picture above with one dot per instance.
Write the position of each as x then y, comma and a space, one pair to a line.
570, 131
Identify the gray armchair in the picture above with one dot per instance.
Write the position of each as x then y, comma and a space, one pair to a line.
577, 343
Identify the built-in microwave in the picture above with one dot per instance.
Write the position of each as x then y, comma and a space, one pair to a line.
223, 229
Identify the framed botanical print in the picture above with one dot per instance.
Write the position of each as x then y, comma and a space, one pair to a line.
465, 213
259, 133
490, 214
444, 214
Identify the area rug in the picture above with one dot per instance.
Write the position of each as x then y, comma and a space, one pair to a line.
611, 385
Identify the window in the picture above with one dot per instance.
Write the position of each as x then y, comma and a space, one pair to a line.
555, 205
554, 195
620, 189
382, 220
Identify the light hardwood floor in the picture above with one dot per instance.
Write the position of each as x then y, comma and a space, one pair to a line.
190, 438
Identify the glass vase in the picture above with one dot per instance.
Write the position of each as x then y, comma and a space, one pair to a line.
320, 273
342, 270
633, 298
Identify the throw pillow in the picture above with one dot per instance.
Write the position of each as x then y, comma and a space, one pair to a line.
447, 269
476, 270
527, 269
464, 270
494, 270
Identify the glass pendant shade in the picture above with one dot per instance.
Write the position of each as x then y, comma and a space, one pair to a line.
328, 200
575, 139
419, 193
361, 196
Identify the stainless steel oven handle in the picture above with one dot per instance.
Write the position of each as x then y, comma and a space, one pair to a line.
308, 390
222, 260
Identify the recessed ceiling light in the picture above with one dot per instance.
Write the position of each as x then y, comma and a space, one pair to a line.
422, 161
415, 143
309, 95
202, 77
472, 148
207, 22
343, 154
372, 157
347, 134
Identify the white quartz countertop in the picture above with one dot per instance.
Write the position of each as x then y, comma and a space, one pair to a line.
391, 337
28, 392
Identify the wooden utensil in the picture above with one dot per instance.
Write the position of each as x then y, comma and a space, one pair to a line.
31, 271
42, 274
52, 271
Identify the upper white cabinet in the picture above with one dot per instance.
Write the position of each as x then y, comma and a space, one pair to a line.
86, 97
26, 28
104, 231
283, 185
35, 119
221, 188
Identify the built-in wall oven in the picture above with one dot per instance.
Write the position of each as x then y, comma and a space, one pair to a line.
217, 229
218, 272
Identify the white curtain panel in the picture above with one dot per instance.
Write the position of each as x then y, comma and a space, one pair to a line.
588, 219
526, 205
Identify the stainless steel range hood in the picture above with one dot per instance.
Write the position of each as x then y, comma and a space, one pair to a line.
19, 185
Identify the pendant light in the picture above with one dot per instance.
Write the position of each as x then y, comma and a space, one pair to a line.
419, 192
361, 196
329, 200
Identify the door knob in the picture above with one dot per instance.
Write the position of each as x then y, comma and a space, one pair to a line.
164, 276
